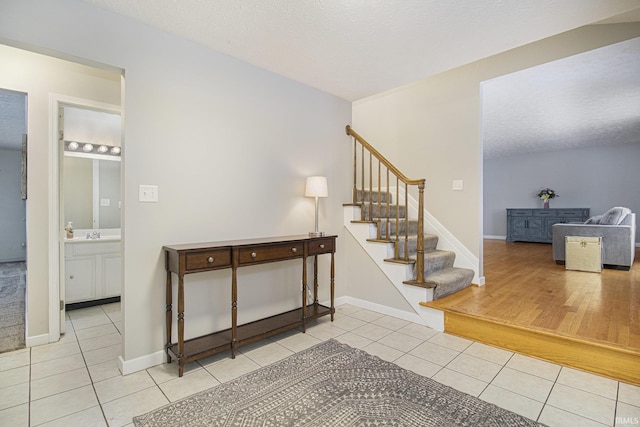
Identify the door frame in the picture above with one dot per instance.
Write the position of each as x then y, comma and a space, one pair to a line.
56, 234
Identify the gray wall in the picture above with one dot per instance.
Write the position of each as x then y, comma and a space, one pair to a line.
12, 208
597, 178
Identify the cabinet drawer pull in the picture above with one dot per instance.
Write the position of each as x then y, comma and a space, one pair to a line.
294, 249
210, 259
253, 254
322, 246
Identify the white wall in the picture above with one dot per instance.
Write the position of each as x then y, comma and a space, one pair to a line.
598, 178
229, 146
12, 207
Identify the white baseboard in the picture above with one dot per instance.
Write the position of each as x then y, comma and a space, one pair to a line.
383, 309
495, 237
140, 363
37, 340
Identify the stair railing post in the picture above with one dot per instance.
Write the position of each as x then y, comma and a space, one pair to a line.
420, 248
355, 170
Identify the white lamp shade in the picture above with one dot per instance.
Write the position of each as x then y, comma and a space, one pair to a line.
316, 187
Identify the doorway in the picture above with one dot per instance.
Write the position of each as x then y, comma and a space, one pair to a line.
13, 211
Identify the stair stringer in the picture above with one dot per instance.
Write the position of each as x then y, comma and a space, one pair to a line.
446, 240
395, 272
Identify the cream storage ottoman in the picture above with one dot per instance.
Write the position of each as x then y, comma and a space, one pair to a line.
583, 253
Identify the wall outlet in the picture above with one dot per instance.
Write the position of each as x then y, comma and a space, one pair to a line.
148, 193
457, 185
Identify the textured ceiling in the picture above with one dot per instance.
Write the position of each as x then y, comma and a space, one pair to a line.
357, 48
584, 100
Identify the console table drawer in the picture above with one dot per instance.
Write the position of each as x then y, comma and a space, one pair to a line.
519, 212
219, 258
321, 246
264, 253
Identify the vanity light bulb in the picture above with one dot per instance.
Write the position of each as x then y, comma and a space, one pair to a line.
73, 146
87, 148
103, 149
115, 150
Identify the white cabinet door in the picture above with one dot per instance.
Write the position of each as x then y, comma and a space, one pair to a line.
112, 275
80, 283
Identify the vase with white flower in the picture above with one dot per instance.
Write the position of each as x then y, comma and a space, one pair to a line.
546, 194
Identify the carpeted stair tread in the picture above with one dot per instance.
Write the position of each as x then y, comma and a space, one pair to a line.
430, 244
383, 211
374, 196
449, 280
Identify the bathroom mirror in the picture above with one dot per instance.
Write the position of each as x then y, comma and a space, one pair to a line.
91, 193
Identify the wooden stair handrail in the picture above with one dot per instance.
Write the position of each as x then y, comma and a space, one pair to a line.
420, 183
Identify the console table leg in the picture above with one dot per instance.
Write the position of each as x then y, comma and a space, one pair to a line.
315, 279
181, 322
304, 294
234, 311
169, 313
333, 270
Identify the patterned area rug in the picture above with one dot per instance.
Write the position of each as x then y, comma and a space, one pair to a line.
331, 384
12, 305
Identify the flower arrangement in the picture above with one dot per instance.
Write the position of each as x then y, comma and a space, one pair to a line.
547, 193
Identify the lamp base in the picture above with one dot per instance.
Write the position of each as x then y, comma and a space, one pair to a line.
316, 233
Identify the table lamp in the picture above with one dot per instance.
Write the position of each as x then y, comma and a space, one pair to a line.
316, 187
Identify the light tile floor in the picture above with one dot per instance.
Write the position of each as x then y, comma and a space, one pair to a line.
76, 382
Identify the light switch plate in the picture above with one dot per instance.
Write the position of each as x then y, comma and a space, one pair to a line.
105, 202
457, 184
148, 193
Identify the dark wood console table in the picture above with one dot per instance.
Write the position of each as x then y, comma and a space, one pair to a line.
196, 258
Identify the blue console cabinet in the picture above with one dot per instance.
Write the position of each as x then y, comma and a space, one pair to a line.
534, 225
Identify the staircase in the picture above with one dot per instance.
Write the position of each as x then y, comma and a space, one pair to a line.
380, 215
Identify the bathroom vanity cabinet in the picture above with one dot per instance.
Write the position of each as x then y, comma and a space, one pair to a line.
93, 270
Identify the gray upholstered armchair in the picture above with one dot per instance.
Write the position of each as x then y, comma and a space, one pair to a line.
617, 227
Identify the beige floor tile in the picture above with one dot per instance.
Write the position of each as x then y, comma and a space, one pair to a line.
114, 307
189, 384
460, 382
169, 371
14, 376
372, 332
366, 315
83, 313
348, 323
347, 309
205, 360
512, 402
353, 340
90, 321
59, 383
298, 341
383, 352
14, 395
100, 355
104, 370
390, 322
46, 352
267, 354
628, 393
417, 365
537, 367
627, 414
229, 369
56, 366
89, 417
581, 403
16, 416
451, 341
63, 404
68, 336
434, 353
96, 331
487, 352
400, 341
474, 367
115, 316
555, 417
15, 359
325, 330
102, 341
524, 384
123, 385
591, 383
119, 326
120, 412
418, 331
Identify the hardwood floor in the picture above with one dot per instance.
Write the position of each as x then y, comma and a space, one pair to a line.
532, 305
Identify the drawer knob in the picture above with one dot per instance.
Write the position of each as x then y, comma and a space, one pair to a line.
322, 246
72, 277
253, 254
211, 259
294, 249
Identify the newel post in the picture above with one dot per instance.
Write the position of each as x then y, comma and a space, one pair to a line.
420, 247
